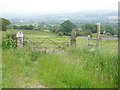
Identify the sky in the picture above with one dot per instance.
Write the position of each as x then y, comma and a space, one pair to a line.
44, 6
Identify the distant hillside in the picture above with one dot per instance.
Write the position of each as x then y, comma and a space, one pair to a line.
103, 16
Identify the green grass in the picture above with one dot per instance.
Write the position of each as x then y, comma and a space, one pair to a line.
74, 68
81, 67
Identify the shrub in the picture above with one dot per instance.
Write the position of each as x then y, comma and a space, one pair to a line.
84, 33
60, 34
35, 54
9, 41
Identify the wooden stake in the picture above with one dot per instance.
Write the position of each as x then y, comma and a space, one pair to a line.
88, 40
73, 38
98, 35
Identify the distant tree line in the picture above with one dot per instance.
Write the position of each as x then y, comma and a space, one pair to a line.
65, 28
39, 27
26, 27
84, 29
92, 28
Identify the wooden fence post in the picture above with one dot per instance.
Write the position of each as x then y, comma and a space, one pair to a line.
98, 35
88, 40
73, 38
19, 36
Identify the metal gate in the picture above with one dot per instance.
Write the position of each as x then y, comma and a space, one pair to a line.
46, 43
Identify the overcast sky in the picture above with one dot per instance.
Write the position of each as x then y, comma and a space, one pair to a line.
40, 6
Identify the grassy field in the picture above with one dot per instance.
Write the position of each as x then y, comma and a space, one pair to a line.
81, 67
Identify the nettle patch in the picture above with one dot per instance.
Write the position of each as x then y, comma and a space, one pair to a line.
9, 41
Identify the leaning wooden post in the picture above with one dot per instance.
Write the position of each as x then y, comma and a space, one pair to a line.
19, 36
98, 35
88, 40
73, 38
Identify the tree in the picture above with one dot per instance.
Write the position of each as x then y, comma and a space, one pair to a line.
91, 27
15, 27
84, 33
54, 29
5, 23
26, 27
31, 27
109, 29
66, 27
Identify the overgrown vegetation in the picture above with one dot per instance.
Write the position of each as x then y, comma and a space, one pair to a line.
9, 41
70, 69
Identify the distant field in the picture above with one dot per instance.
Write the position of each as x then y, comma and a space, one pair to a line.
32, 33
81, 67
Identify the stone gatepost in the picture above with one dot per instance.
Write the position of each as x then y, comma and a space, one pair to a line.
19, 36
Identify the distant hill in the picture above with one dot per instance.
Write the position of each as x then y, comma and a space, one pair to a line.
95, 16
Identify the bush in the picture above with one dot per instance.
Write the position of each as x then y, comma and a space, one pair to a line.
9, 41
84, 33
34, 55
60, 34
